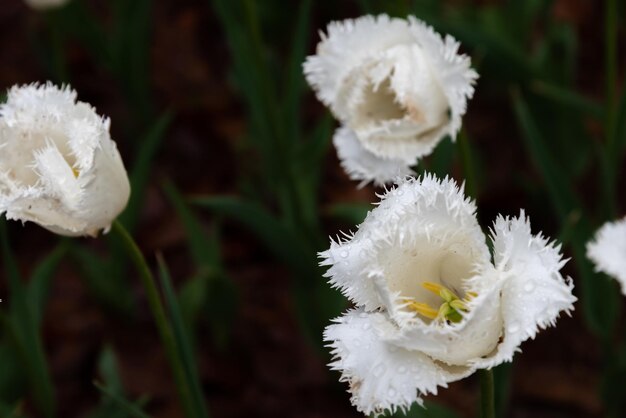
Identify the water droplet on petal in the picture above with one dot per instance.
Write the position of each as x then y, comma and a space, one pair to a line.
391, 392
378, 370
344, 254
529, 286
402, 370
366, 326
513, 327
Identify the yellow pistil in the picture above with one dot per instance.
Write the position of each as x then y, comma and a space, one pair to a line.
450, 310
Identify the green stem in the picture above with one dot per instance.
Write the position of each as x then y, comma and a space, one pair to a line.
487, 398
158, 312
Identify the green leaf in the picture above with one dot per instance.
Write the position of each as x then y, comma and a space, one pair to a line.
24, 331
108, 287
39, 284
351, 213
294, 85
276, 237
210, 289
183, 345
140, 173
559, 191
569, 98
132, 410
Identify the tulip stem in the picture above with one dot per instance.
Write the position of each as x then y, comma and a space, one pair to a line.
487, 398
158, 312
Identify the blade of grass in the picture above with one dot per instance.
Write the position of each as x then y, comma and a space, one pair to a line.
183, 345
160, 318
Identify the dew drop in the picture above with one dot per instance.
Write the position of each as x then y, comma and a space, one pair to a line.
529, 286
378, 370
366, 326
344, 254
513, 327
402, 370
391, 392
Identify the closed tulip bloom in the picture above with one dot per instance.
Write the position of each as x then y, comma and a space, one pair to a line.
607, 250
432, 303
59, 167
395, 85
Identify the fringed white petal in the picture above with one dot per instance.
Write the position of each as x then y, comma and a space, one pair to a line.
607, 250
361, 164
456, 76
382, 376
533, 292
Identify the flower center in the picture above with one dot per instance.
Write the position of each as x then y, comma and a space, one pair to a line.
451, 309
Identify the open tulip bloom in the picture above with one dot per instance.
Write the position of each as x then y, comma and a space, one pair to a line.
59, 167
432, 304
608, 251
396, 86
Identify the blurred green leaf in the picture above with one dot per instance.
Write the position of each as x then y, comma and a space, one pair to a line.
24, 331
12, 379
130, 409
140, 173
111, 408
561, 195
276, 237
39, 284
351, 213
184, 350
210, 289
568, 98
109, 287
294, 80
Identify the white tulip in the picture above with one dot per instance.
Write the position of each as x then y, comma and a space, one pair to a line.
608, 251
59, 167
431, 305
46, 4
397, 84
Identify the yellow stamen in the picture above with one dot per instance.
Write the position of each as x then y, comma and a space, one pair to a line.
433, 287
459, 305
423, 309
75, 172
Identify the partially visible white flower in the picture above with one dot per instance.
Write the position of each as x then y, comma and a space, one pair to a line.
397, 84
608, 251
361, 164
46, 4
59, 167
433, 305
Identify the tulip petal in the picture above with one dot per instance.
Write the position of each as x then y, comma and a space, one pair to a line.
361, 164
382, 376
533, 291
